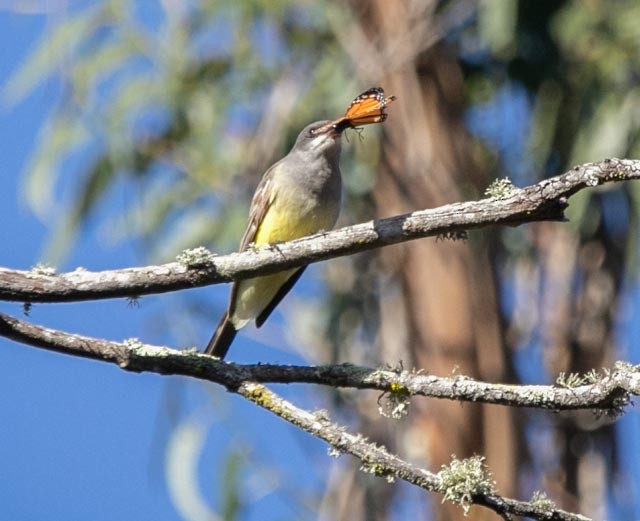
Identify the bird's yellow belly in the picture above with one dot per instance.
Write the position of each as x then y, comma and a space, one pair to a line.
280, 224
254, 295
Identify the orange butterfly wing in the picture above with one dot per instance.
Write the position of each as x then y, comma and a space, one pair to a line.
368, 108
365, 109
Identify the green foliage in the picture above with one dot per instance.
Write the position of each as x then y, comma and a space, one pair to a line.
579, 65
52, 54
231, 499
172, 117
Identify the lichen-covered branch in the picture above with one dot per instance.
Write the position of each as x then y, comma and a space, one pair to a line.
465, 482
545, 200
607, 392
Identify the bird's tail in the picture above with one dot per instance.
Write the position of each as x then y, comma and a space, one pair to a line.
222, 338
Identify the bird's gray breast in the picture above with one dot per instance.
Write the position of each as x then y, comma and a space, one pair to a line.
315, 184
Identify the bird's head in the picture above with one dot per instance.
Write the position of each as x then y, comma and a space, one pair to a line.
319, 138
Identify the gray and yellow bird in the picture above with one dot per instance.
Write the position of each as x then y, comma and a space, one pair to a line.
299, 195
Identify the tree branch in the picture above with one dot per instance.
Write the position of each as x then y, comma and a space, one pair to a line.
238, 379
609, 392
545, 200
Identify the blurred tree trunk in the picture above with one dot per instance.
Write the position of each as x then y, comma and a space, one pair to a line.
439, 307
583, 283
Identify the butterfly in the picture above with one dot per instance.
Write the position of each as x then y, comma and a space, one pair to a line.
365, 109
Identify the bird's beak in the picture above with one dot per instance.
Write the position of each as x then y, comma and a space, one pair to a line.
330, 129
334, 133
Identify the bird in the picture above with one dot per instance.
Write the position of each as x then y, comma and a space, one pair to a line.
299, 195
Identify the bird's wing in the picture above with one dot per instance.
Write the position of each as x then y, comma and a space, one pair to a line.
262, 200
282, 292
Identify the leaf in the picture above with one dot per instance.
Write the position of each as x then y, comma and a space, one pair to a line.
184, 451
95, 185
53, 53
92, 69
63, 135
231, 499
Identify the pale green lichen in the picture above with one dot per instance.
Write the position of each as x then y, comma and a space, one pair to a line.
334, 452
462, 480
395, 403
569, 381
380, 376
377, 470
460, 235
618, 174
591, 377
538, 396
261, 396
500, 189
133, 343
43, 269
625, 367
195, 257
322, 415
541, 501
591, 178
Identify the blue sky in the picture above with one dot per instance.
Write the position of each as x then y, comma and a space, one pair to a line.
76, 440
85, 440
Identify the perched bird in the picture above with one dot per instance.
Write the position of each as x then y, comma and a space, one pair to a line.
299, 195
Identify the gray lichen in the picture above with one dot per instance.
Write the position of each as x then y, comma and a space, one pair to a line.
501, 189
461, 480
195, 257
43, 269
541, 501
